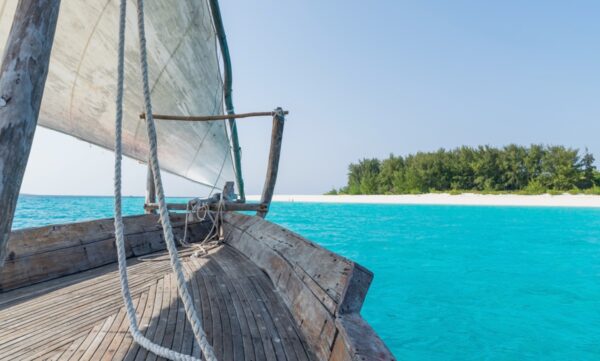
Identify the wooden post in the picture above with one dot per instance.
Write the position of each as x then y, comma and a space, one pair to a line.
22, 79
274, 153
150, 190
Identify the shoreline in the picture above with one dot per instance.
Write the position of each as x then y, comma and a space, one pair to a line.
464, 199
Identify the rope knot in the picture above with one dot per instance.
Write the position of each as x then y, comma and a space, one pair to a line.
278, 112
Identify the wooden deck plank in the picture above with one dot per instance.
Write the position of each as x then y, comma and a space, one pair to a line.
88, 340
38, 319
74, 295
48, 335
108, 338
235, 340
142, 353
270, 330
215, 310
189, 346
84, 317
244, 329
227, 332
180, 323
255, 335
170, 312
123, 330
73, 346
128, 349
294, 348
265, 337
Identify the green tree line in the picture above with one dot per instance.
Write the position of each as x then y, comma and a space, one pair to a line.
535, 169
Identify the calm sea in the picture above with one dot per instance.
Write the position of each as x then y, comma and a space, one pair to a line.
451, 282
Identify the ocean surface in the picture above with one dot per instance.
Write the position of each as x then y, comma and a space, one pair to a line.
451, 282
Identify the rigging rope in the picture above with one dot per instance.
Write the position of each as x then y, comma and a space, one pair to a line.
212, 239
184, 293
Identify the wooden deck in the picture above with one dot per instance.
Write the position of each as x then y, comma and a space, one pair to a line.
81, 317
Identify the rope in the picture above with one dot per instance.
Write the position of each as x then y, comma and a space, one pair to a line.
201, 248
216, 222
164, 214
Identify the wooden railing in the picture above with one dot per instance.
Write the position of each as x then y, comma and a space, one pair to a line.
261, 208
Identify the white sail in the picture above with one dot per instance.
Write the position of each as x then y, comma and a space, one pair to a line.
185, 78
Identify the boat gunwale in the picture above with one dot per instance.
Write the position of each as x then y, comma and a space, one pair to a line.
331, 321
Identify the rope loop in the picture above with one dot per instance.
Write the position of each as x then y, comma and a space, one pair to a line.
279, 113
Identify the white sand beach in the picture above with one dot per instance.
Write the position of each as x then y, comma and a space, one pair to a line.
543, 200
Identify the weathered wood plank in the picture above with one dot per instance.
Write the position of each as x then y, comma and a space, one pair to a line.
190, 346
361, 343
323, 271
88, 340
240, 316
44, 253
318, 286
22, 79
180, 323
153, 324
74, 346
128, 349
253, 336
86, 319
162, 317
122, 332
215, 309
292, 338
227, 332
314, 318
150, 190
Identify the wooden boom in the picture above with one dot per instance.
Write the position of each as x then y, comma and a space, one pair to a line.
227, 206
207, 118
22, 79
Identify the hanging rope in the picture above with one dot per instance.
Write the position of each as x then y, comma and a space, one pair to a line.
190, 311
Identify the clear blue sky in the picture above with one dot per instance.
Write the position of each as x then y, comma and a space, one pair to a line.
364, 79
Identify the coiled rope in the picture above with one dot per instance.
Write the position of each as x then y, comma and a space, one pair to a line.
213, 238
184, 293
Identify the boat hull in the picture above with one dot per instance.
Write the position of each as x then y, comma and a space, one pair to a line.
265, 285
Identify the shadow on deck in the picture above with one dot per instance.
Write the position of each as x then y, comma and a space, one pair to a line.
82, 316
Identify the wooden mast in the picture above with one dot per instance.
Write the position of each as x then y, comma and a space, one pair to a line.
22, 78
150, 190
227, 90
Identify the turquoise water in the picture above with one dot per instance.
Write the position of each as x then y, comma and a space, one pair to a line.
451, 282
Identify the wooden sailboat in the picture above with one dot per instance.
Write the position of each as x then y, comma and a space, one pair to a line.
262, 291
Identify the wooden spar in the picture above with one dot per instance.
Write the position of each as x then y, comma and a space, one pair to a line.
274, 153
22, 79
150, 190
227, 206
207, 118
227, 90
